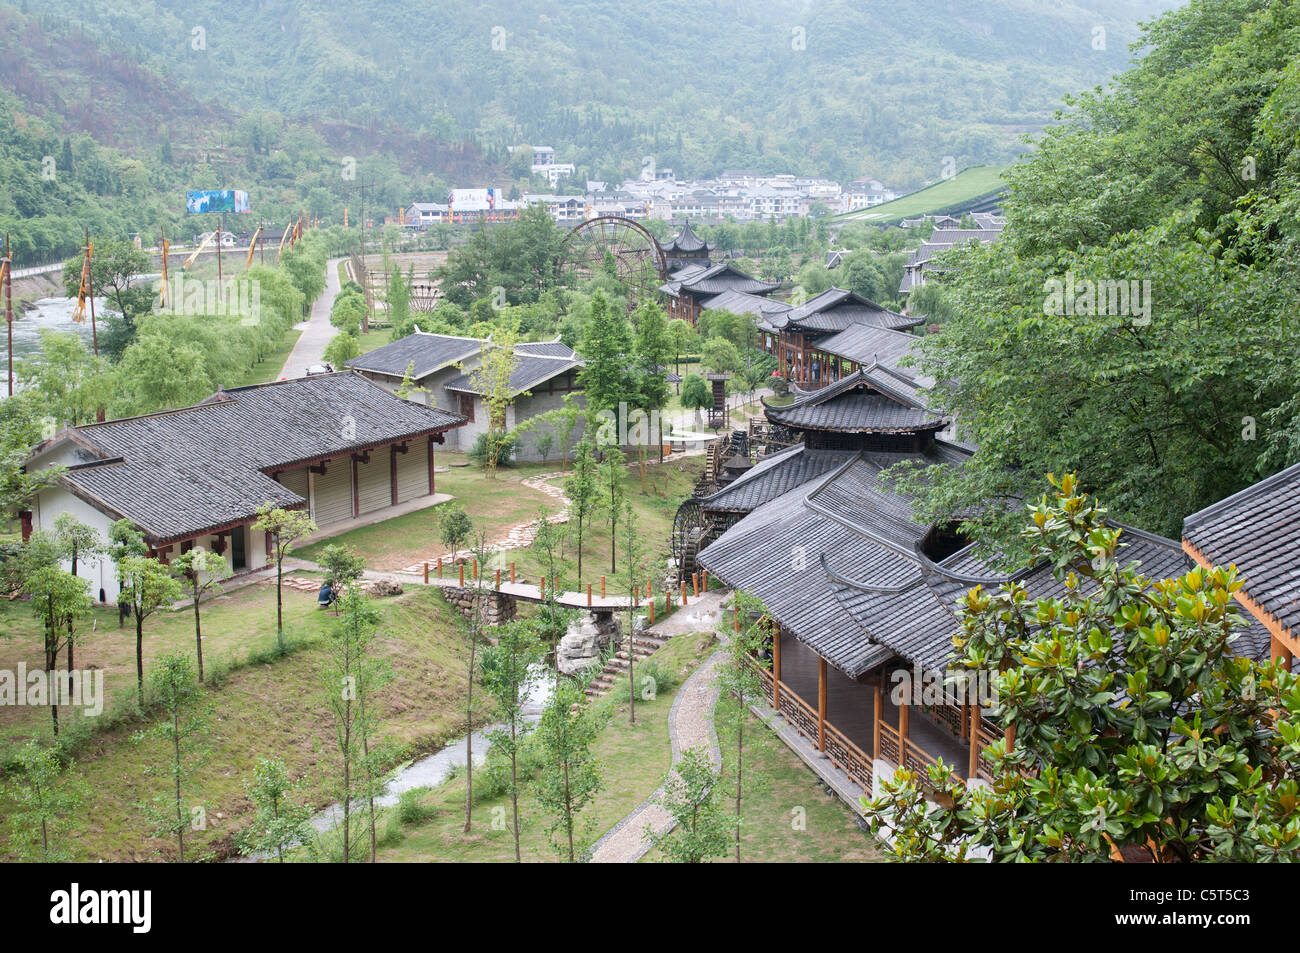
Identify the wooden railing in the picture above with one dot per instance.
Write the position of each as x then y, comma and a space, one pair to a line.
950, 716
841, 750
985, 735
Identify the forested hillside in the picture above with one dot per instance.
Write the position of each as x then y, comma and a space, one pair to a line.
93, 136
838, 87
1182, 183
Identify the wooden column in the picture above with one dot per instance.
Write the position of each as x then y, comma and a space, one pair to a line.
878, 715
974, 741
821, 703
1278, 651
392, 471
902, 733
776, 668
356, 489
432, 486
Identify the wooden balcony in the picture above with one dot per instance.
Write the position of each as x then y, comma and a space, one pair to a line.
855, 722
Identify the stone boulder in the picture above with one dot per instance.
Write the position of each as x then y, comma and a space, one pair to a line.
584, 641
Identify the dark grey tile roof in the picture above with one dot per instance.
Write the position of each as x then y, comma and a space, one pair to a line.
429, 352
530, 370
773, 476
715, 279
913, 613
181, 472
842, 523
866, 345
547, 349
685, 241
761, 553
866, 401
836, 309
1258, 530
740, 302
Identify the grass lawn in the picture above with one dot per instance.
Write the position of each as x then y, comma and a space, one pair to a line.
375, 338
496, 505
666, 486
270, 708
634, 760
966, 185
268, 369
791, 818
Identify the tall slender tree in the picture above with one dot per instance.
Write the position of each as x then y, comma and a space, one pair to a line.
634, 577
286, 528
612, 473
147, 587
583, 491
80, 541
570, 776
183, 727
200, 571
504, 670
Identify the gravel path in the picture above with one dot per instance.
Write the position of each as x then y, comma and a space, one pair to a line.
690, 724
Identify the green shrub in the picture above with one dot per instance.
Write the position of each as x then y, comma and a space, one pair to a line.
411, 808
652, 680
506, 443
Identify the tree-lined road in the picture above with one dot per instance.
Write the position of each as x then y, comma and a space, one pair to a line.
317, 332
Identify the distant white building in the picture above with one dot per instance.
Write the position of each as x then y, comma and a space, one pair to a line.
544, 164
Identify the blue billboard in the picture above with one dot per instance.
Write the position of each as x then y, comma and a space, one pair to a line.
199, 201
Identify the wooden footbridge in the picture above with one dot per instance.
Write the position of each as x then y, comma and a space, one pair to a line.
595, 598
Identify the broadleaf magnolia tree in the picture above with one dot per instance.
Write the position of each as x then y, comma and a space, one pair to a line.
1135, 729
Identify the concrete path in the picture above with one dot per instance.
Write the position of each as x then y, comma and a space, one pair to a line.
690, 724
317, 330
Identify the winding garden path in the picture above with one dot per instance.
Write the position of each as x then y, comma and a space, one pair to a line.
690, 724
518, 536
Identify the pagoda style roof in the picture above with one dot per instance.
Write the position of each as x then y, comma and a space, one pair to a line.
740, 302
686, 242
181, 473
706, 280
837, 309
772, 476
1258, 530
872, 399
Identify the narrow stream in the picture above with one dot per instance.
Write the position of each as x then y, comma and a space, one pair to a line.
434, 769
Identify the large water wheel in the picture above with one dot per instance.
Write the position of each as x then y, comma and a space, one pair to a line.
688, 530
617, 246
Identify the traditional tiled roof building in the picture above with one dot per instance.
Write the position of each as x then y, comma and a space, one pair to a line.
690, 290
795, 337
1258, 531
442, 366
686, 248
335, 445
860, 588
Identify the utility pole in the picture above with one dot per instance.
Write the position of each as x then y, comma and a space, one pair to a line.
220, 222
90, 290
9, 304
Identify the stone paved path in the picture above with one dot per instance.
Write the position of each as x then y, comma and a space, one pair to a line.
690, 724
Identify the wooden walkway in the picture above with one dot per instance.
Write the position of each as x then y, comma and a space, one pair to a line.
528, 592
